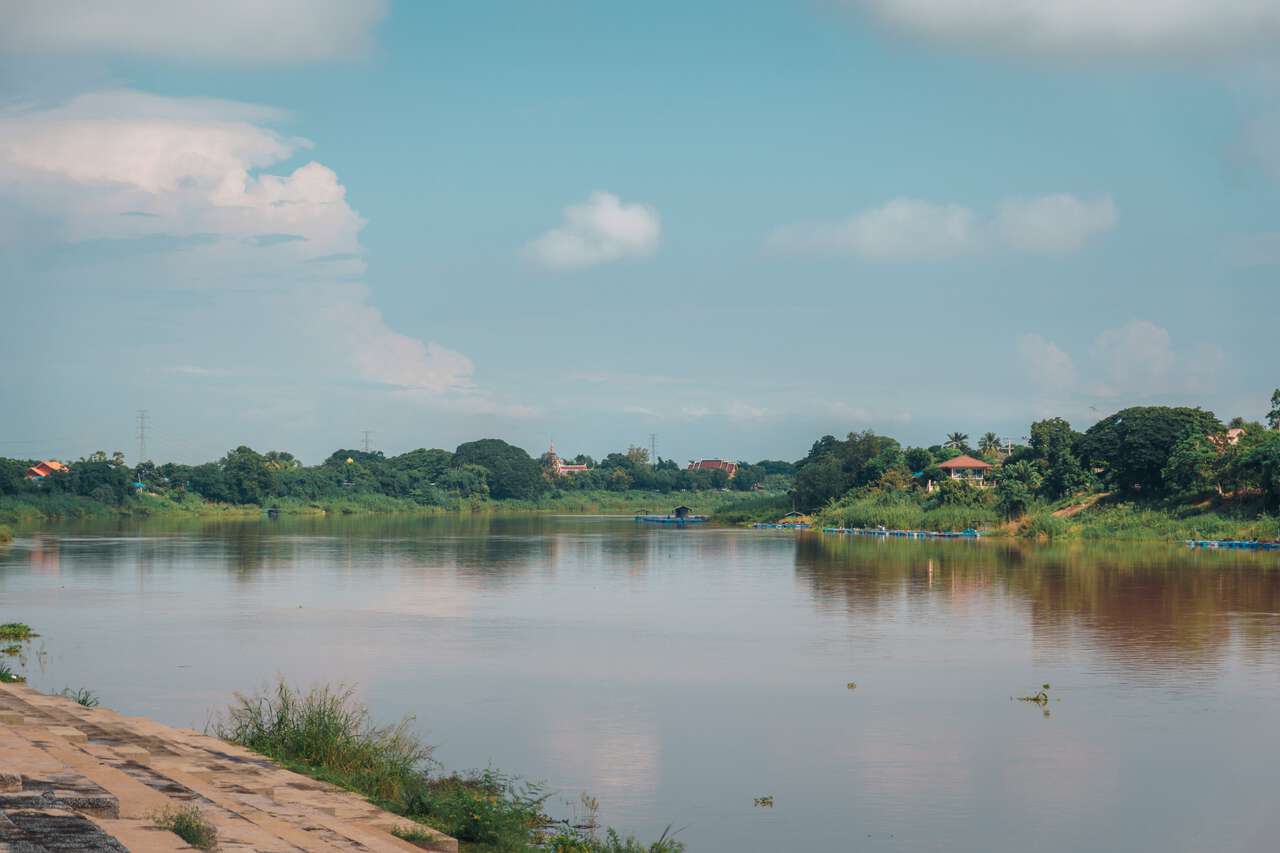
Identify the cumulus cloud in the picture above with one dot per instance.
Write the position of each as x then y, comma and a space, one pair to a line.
598, 230
911, 229
900, 228
185, 178
235, 31
1054, 224
1046, 364
1133, 362
1071, 28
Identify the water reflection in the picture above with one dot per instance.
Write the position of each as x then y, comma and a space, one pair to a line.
677, 675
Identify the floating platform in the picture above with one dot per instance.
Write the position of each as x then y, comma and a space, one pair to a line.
1234, 544
673, 520
904, 534
790, 525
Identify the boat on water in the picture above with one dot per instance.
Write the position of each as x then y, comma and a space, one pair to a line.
967, 533
680, 516
1235, 544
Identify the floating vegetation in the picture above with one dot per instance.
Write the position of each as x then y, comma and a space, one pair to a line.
189, 824
1040, 697
852, 685
16, 631
764, 802
83, 696
8, 676
12, 650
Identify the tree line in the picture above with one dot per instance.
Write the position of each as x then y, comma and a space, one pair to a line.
485, 469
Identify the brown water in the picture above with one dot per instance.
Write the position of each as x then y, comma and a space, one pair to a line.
678, 674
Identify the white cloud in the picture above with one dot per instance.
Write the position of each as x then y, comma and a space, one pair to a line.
186, 174
740, 411
1135, 358
901, 228
596, 231
1054, 224
1071, 28
236, 31
911, 229
1046, 364
1130, 363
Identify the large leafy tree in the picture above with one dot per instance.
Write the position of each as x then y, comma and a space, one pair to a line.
1053, 447
1016, 486
989, 443
833, 467
1133, 446
957, 441
512, 472
1258, 466
1273, 416
1193, 466
249, 476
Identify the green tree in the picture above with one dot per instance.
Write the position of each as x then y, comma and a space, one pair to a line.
248, 476
957, 441
989, 443
467, 480
1258, 466
1192, 468
1016, 486
1053, 444
1132, 447
512, 472
1273, 416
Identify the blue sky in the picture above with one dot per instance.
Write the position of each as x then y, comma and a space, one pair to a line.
737, 226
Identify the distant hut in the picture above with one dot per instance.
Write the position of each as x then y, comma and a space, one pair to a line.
681, 512
968, 469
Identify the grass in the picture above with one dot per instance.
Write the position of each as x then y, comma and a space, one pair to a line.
6, 535
16, 631
83, 697
326, 734
902, 511
8, 676
189, 824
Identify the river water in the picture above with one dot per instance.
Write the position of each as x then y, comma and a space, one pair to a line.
677, 675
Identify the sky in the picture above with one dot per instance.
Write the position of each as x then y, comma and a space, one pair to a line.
733, 226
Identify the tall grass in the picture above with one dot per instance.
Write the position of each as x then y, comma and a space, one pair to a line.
189, 824
325, 729
325, 733
6, 535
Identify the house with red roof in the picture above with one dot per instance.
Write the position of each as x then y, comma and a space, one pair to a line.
967, 468
729, 468
40, 470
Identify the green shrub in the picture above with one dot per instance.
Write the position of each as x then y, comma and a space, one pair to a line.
6, 535
83, 697
8, 676
1043, 526
189, 824
16, 631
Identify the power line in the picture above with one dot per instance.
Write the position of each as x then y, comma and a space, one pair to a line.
142, 436
653, 448
366, 440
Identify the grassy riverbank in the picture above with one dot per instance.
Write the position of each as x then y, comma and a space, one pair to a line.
326, 734
1097, 518
33, 509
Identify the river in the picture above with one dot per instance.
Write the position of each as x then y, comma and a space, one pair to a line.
677, 675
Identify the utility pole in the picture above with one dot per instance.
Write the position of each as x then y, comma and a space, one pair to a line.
142, 436
366, 441
653, 448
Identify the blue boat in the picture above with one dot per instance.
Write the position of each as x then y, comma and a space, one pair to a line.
681, 516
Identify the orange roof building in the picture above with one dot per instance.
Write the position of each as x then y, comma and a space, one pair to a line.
40, 470
966, 467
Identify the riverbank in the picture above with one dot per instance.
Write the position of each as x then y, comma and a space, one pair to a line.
725, 507
1095, 517
90, 779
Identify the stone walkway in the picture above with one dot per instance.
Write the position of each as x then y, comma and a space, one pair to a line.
89, 779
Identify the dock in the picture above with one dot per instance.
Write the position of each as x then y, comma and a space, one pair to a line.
1234, 544
92, 780
904, 534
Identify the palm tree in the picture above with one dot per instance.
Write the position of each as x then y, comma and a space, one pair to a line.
989, 443
956, 440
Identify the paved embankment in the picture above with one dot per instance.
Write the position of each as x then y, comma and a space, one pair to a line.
89, 779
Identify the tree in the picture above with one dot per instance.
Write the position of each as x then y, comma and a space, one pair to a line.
834, 467
467, 481
1259, 466
1192, 467
638, 455
512, 472
1133, 446
957, 441
1053, 444
917, 459
1273, 416
248, 476
989, 443
1016, 486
